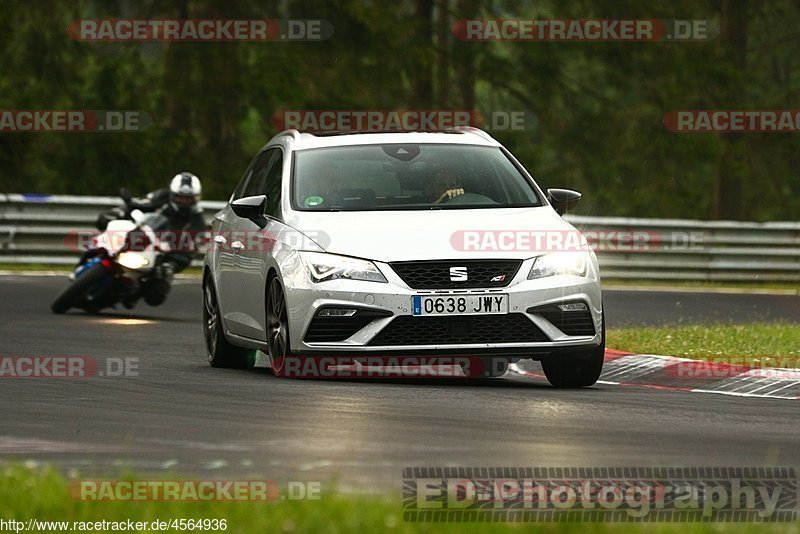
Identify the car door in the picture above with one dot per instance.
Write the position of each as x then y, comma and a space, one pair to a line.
228, 239
252, 245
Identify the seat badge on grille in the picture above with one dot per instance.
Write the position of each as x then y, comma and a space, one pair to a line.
458, 274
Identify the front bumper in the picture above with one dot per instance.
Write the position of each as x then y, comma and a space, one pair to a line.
530, 329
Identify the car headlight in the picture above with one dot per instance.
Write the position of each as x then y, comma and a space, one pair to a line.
323, 267
132, 260
557, 263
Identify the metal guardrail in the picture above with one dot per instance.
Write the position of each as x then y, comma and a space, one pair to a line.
33, 230
681, 249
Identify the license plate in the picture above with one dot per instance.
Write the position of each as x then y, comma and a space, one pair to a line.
459, 304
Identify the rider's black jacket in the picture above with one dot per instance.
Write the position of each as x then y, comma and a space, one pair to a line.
158, 200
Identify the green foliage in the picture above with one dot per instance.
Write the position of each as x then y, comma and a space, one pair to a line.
767, 345
598, 107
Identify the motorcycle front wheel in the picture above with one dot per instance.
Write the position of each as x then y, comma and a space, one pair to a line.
74, 292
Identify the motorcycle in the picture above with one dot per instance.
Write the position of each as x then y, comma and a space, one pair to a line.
118, 262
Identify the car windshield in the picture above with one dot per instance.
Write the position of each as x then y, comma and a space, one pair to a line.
408, 176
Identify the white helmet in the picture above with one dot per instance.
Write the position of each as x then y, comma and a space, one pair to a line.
185, 192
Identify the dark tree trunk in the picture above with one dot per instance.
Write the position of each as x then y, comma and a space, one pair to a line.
443, 40
728, 199
423, 77
464, 57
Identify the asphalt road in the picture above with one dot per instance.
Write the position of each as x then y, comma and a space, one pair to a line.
660, 308
179, 415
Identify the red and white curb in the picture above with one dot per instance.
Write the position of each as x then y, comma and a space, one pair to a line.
685, 374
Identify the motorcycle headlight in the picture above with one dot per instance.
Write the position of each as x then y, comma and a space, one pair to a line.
323, 267
557, 263
132, 260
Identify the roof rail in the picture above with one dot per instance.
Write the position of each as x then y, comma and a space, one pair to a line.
473, 130
294, 133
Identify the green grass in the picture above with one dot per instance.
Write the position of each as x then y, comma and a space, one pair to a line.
35, 267
43, 495
767, 345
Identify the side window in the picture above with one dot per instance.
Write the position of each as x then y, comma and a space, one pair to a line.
239, 192
266, 180
272, 187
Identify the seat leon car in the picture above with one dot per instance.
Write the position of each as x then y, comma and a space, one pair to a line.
419, 246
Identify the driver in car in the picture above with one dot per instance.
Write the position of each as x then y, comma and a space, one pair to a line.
444, 186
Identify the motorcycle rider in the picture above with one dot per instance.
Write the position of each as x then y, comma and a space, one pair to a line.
179, 203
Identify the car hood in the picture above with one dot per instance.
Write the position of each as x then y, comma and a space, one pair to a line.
436, 234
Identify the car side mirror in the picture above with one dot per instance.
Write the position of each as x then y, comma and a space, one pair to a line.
562, 199
253, 208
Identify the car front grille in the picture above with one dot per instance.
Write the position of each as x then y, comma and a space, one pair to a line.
436, 274
329, 329
445, 330
572, 323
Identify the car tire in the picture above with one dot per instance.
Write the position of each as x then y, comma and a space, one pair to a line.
221, 353
278, 329
579, 370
